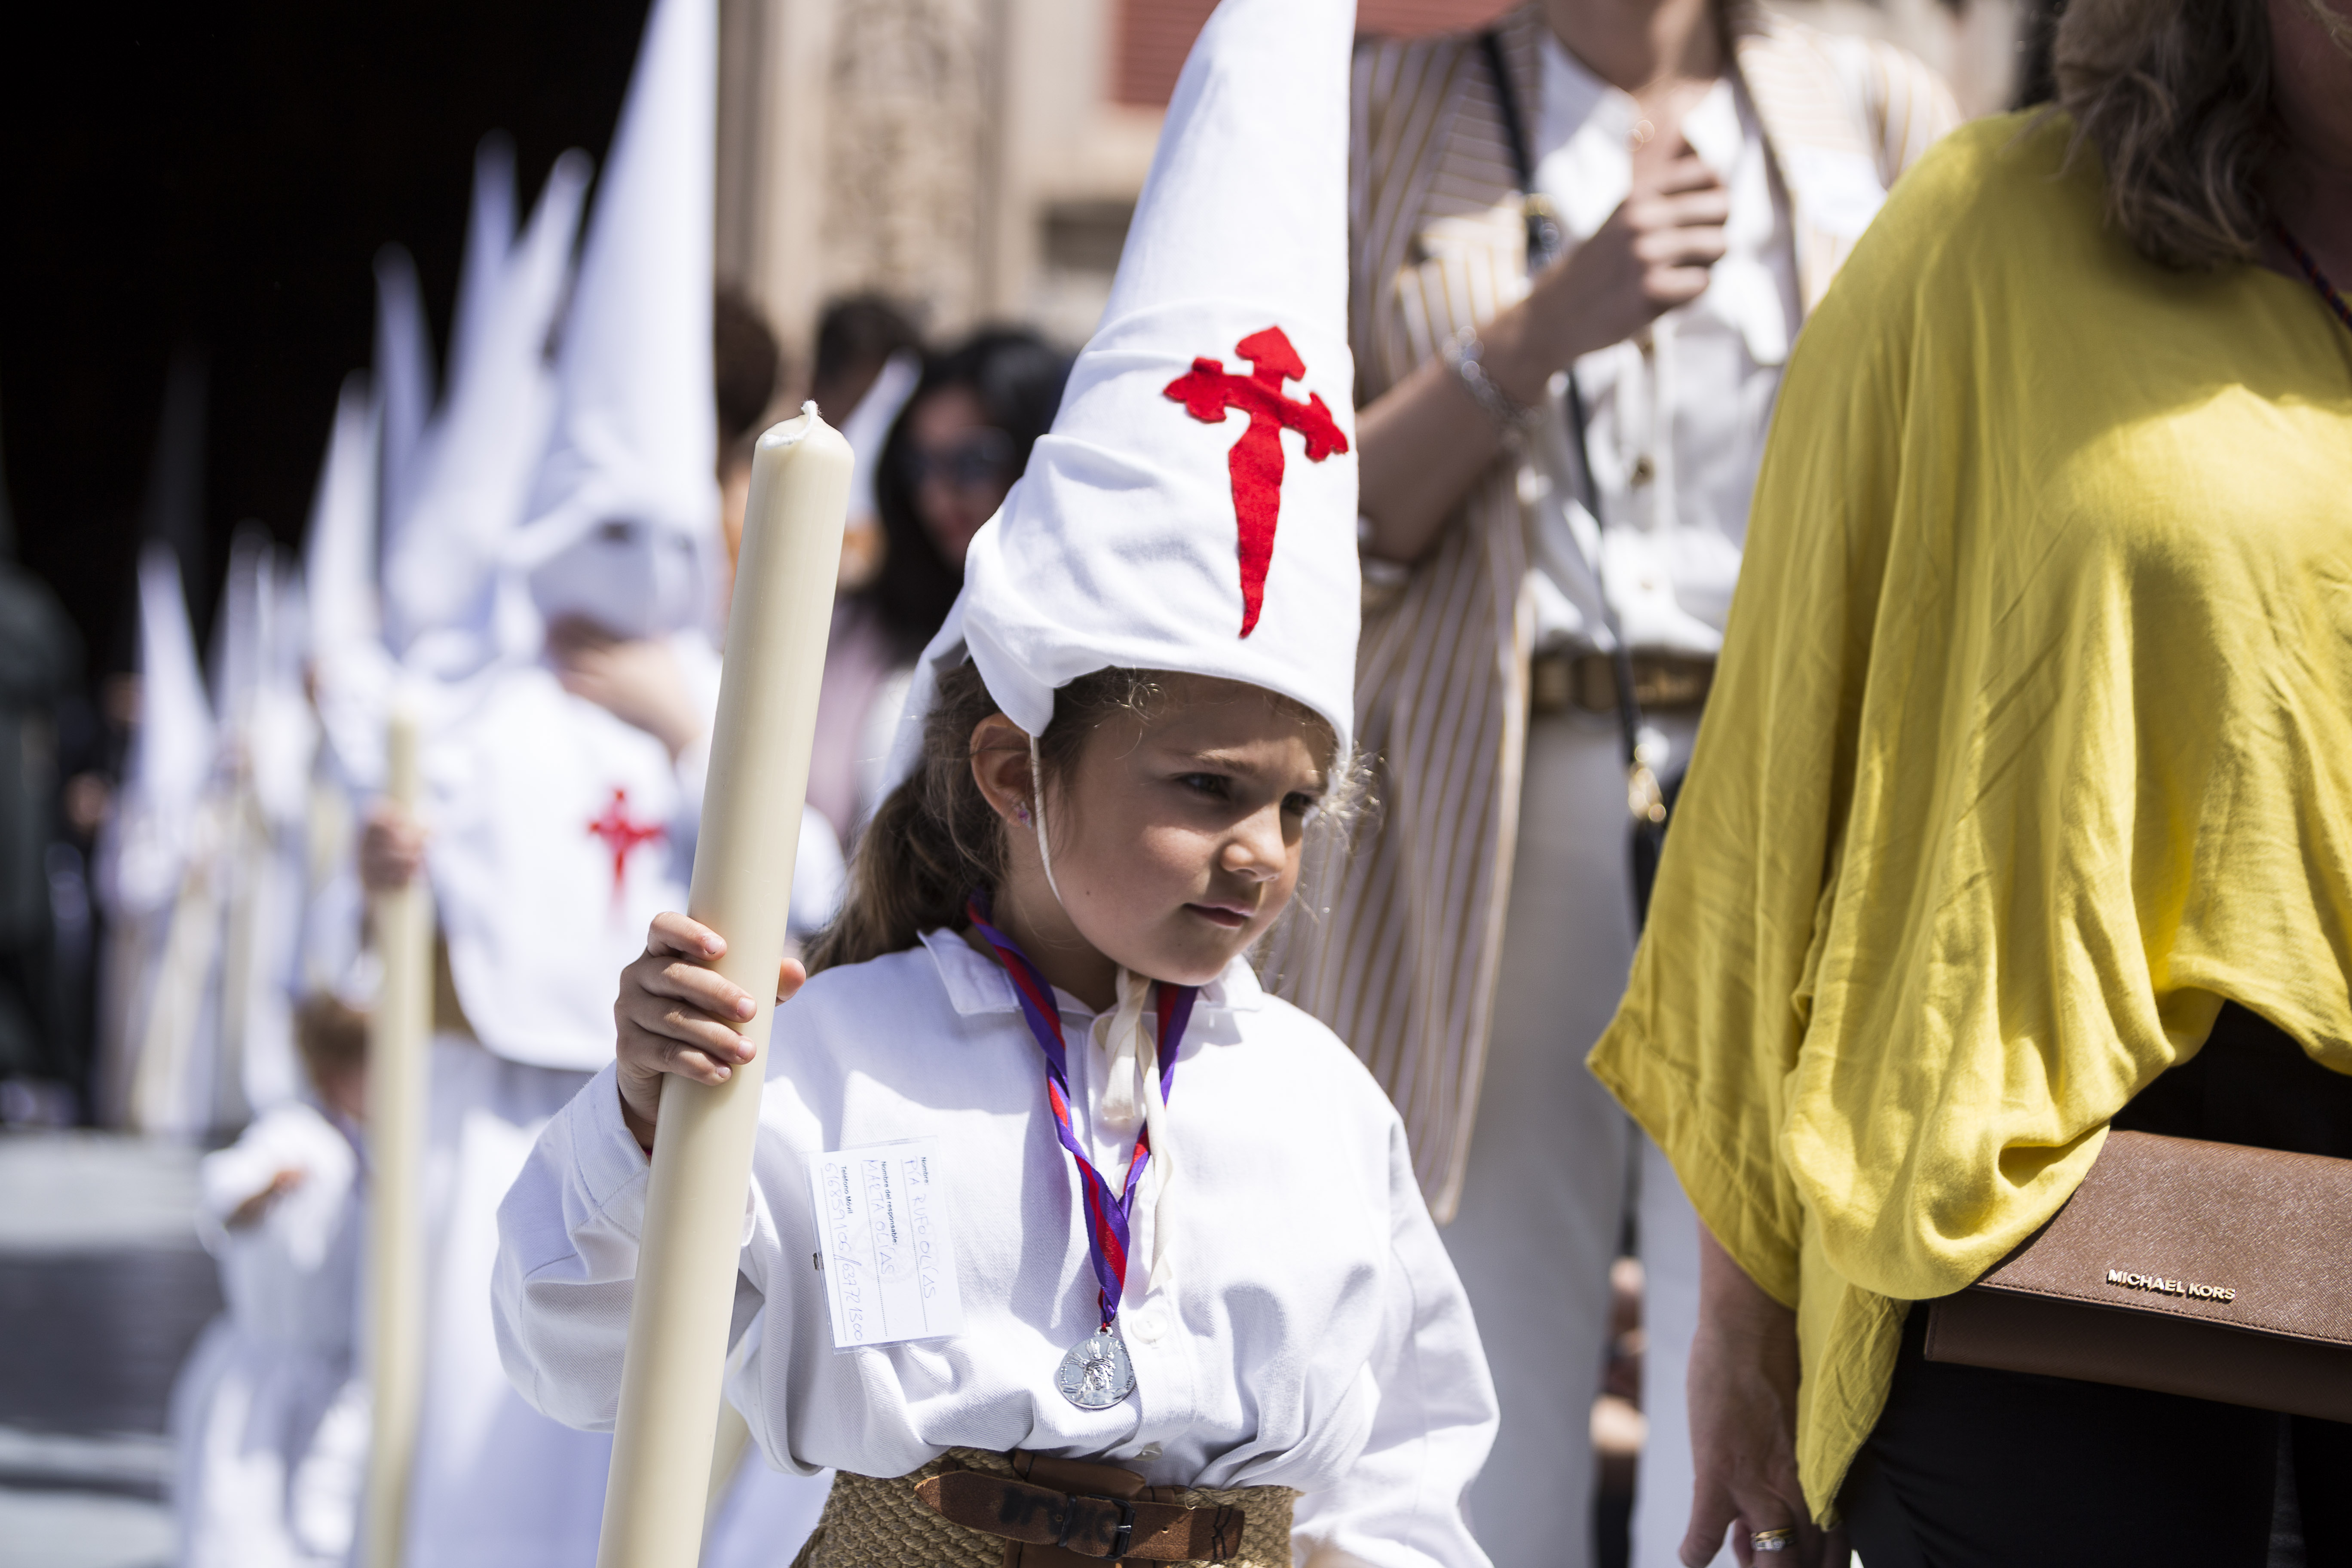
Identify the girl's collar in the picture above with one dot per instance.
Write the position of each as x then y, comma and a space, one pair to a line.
977, 983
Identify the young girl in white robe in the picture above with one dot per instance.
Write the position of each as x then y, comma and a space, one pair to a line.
1066, 1241
271, 1422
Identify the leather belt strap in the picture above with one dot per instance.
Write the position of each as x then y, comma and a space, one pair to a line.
1560, 680
1100, 1527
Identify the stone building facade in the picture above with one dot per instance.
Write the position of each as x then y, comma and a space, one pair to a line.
978, 159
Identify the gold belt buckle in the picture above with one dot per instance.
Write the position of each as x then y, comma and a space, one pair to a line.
1559, 680
1672, 680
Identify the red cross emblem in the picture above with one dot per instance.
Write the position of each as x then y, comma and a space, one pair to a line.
621, 835
1207, 390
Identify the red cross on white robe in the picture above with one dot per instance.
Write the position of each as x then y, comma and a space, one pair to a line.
1207, 390
622, 835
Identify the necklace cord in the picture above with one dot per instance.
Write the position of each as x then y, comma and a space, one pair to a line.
1106, 1213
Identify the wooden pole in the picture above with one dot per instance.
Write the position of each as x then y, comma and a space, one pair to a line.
662, 1442
399, 1034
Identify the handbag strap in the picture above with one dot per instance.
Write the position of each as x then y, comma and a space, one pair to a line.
1544, 245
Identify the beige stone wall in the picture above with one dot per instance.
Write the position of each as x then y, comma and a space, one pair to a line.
961, 155
968, 157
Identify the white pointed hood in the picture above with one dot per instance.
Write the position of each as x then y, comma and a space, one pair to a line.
489, 237
403, 379
475, 472
339, 551
1189, 511
350, 668
172, 755
170, 761
628, 495
241, 628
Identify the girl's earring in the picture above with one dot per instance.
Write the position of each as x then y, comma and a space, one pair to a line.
1021, 814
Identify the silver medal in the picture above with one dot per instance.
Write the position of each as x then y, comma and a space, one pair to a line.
1096, 1374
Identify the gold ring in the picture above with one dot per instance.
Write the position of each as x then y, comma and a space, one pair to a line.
1772, 1539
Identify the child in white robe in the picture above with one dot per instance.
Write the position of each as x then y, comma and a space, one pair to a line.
270, 1421
1195, 1271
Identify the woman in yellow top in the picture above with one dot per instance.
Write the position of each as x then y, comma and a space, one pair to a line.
2030, 759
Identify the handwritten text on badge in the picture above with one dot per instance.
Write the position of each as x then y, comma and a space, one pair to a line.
885, 1238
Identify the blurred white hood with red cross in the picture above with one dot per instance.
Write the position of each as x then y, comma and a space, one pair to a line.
558, 830
1194, 507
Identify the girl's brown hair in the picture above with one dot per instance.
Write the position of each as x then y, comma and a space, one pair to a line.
936, 837
2175, 95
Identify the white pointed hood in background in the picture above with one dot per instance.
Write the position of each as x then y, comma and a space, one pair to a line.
339, 549
489, 237
635, 435
475, 472
1129, 541
170, 761
404, 379
262, 717
351, 670
241, 625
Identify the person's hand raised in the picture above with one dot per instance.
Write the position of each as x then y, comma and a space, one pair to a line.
1652, 255
676, 1015
637, 680
392, 848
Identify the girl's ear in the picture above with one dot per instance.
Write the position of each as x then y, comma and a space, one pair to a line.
1000, 766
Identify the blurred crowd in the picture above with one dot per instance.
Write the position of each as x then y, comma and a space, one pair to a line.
166, 800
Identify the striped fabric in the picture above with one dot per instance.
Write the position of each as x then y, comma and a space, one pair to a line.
1400, 934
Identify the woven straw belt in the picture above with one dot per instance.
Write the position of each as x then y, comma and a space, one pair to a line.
876, 1523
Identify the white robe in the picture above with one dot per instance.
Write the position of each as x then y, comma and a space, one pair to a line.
539, 930
1307, 1330
269, 1424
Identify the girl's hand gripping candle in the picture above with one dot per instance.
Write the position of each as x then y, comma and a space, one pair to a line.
742, 882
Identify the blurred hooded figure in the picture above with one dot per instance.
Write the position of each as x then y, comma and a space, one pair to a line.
563, 777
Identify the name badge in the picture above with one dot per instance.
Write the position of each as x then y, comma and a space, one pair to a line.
886, 1243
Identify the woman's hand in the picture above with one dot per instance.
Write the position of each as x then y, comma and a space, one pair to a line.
678, 1015
1423, 443
392, 848
637, 682
1743, 1421
1653, 253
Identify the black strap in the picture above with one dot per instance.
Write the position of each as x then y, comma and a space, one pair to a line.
1543, 245
1543, 229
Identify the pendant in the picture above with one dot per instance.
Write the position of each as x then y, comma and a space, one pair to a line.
1096, 1374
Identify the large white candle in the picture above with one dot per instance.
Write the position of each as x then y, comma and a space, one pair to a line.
654, 1500
399, 1033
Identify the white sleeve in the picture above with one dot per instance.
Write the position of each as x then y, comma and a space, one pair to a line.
1400, 1505
567, 1261
284, 1137
820, 877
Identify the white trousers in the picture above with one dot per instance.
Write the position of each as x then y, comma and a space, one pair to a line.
1556, 1169
497, 1485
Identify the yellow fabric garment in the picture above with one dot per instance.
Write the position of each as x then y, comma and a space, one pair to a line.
2032, 743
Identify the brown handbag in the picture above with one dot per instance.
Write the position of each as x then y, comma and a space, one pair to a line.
2212, 1270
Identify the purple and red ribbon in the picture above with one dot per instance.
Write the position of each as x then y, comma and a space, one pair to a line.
1106, 1216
